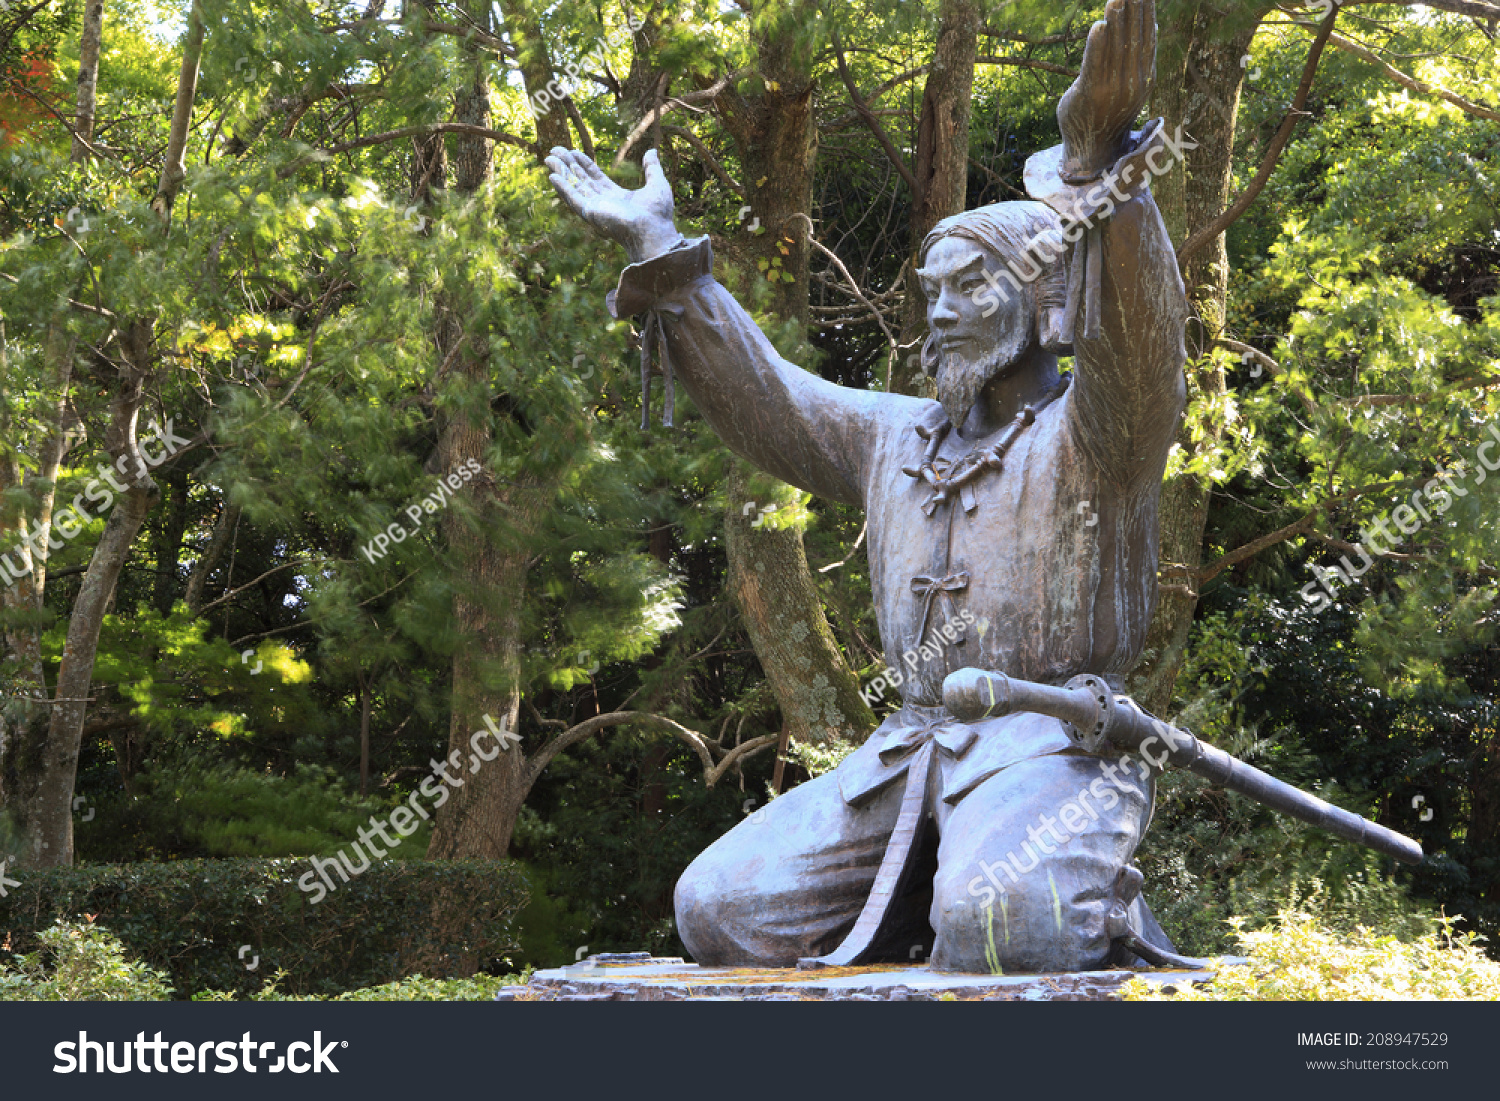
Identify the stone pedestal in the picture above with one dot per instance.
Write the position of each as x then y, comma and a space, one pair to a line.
639, 977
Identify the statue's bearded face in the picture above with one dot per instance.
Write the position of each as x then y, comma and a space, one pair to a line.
981, 326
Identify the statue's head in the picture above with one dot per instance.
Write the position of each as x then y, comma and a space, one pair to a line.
981, 325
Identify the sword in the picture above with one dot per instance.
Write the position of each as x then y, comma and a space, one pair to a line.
1095, 717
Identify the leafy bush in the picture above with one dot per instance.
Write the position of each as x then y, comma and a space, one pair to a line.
418, 988
205, 922
197, 807
79, 961
1297, 959
82, 961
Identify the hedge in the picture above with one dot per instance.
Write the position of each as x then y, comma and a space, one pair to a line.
192, 918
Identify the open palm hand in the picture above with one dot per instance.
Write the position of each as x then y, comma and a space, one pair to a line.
1113, 82
641, 220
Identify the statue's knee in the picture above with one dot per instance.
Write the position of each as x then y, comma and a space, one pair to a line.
1019, 928
698, 905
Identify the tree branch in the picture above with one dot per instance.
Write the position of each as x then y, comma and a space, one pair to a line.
585, 139
853, 286
1410, 82
473, 34
649, 119
1044, 40
250, 584
864, 112
875, 93
1473, 382
174, 163
1303, 526
589, 727
409, 132
1025, 63
708, 158
1487, 13
742, 751
97, 311
1268, 363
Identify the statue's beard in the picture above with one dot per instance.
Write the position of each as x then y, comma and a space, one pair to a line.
961, 379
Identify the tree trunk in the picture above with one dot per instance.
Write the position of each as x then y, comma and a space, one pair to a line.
23, 733
366, 691
479, 818
1198, 84
224, 528
776, 135
23, 728
477, 821
169, 540
942, 156
524, 29
773, 588
48, 809
88, 79
21, 601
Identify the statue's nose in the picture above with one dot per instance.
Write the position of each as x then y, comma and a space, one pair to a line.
944, 313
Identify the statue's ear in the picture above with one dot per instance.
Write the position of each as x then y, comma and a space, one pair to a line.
1049, 327
930, 355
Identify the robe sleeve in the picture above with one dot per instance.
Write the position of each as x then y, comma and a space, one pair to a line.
817, 435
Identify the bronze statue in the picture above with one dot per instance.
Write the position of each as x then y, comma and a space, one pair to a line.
1012, 528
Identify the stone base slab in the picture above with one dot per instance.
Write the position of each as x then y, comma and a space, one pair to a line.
638, 977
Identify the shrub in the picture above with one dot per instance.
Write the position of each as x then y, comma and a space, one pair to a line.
79, 961
193, 807
418, 988
205, 922
1297, 959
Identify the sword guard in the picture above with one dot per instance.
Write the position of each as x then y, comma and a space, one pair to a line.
1092, 738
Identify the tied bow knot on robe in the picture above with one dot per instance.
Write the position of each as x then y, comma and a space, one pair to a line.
922, 725
935, 590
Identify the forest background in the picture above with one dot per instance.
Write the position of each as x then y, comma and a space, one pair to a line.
311, 247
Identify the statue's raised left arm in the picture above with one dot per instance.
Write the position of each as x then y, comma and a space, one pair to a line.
787, 421
1126, 308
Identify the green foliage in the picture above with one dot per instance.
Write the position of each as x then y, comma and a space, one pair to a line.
611, 832
80, 961
304, 306
1299, 959
818, 759
199, 807
190, 920
418, 988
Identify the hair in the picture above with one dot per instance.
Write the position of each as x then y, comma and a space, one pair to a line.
1022, 233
